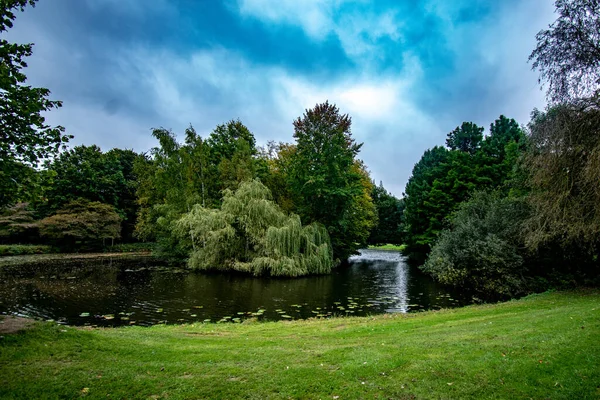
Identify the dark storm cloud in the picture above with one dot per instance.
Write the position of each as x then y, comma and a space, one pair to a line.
407, 72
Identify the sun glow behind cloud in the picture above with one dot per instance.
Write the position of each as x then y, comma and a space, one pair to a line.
407, 72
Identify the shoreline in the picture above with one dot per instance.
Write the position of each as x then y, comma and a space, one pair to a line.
541, 346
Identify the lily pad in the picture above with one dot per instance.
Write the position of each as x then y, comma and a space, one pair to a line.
84, 314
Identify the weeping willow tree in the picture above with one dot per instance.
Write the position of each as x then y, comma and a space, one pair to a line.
250, 233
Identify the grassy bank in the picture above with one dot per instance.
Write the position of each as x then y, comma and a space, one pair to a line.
69, 258
25, 249
395, 247
542, 346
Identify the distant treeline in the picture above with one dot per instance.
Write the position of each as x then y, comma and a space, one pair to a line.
502, 214
219, 202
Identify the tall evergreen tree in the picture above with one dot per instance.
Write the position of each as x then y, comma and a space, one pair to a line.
325, 180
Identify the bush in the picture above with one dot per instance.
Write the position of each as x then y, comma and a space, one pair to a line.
82, 223
25, 249
483, 251
17, 224
130, 247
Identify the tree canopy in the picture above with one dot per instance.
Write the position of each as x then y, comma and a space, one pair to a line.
564, 173
328, 183
250, 233
25, 137
567, 54
444, 178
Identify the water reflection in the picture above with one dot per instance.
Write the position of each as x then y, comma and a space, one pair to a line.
125, 293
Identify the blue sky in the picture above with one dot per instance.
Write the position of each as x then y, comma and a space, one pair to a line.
407, 72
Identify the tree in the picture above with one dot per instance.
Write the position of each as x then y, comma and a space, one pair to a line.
483, 249
177, 176
432, 167
82, 223
390, 213
563, 163
273, 169
465, 138
86, 172
250, 233
17, 224
326, 181
443, 179
568, 53
25, 138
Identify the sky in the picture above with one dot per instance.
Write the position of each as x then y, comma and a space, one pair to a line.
406, 71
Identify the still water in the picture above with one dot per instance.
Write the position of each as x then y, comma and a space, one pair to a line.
111, 293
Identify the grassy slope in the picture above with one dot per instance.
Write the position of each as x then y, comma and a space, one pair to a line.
543, 346
395, 247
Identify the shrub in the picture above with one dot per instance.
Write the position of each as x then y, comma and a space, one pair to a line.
82, 223
25, 249
483, 251
17, 224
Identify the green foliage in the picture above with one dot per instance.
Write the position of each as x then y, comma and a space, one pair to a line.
465, 138
170, 182
483, 250
563, 163
422, 228
250, 233
443, 179
85, 172
327, 182
25, 249
17, 224
83, 223
25, 138
390, 222
567, 54
240, 168
274, 168
178, 176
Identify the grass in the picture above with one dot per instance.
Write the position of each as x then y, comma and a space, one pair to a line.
25, 249
395, 247
66, 258
130, 248
542, 346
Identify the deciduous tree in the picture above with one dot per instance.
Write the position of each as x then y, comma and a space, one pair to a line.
568, 52
25, 137
324, 178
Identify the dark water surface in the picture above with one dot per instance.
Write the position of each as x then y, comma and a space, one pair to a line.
111, 293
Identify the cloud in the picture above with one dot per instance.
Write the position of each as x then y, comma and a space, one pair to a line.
407, 72
355, 24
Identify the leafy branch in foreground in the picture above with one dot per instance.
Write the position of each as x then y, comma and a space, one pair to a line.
25, 137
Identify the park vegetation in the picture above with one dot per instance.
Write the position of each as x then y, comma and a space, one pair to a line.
502, 212
544, 346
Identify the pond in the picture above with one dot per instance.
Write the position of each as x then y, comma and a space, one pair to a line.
113, 293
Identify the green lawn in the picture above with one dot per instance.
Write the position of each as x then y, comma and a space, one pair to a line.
25, 249
542, 346
395, 247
